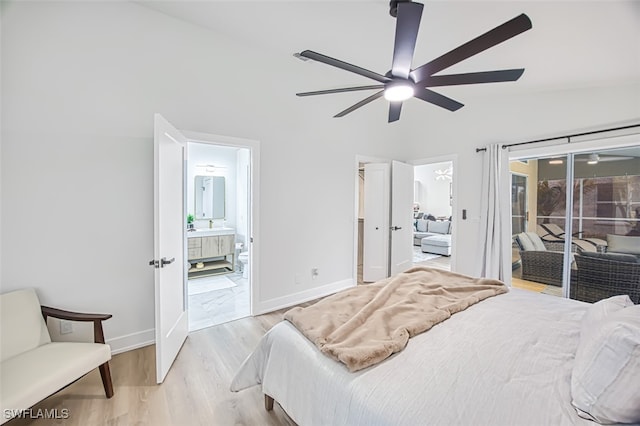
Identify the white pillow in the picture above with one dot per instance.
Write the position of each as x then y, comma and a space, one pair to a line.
422, 225
605, 382
599, 311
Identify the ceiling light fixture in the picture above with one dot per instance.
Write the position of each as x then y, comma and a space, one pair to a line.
556, 161
593, 159
398, 92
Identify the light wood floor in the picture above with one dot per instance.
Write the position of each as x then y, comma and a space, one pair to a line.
195, 392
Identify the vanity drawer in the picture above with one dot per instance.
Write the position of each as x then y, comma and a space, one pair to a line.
194, 242
194, 253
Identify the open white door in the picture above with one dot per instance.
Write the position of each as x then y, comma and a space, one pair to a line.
375, 265
401, 217
172, 320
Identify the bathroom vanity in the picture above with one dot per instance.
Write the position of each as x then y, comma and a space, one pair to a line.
214, 248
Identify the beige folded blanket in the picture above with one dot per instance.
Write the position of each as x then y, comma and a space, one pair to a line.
362, 326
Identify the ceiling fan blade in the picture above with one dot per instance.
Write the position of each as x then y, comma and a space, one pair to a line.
394, 111
344, 66
437, 99
472, 78
359, 104
501, 33
346, 89
407, 25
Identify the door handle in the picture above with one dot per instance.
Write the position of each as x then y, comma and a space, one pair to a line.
164, 261
396, 228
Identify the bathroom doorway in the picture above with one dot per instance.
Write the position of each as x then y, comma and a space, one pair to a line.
219, 230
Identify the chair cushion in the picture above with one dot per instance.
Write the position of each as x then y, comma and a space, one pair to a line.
525, 242
623, 244
606, 372
22, 327
31, 376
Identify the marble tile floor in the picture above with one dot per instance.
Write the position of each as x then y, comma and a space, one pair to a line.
220, 306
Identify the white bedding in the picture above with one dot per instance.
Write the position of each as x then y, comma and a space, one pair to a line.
504, 361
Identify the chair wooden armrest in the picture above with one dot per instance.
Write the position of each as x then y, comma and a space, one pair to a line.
98, 334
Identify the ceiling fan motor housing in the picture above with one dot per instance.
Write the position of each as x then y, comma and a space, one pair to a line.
393, 6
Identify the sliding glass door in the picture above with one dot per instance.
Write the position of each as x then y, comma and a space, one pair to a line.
606, 222
585, 224
538, 201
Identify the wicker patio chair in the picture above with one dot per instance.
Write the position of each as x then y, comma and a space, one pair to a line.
542, 266
599, 278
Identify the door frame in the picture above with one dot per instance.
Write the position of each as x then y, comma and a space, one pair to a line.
526, 199
254, 200
453, 158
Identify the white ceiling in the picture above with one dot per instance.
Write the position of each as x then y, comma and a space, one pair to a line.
573, 44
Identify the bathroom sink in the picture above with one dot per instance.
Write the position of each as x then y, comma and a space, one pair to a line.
205, 232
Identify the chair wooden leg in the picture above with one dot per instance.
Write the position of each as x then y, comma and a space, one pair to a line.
105, 373
268, 402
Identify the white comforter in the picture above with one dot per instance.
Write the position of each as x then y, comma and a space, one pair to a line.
505, 361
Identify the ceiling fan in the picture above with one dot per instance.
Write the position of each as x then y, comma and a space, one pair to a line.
402, 82
596, 158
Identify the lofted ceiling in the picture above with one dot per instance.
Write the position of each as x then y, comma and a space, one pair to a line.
573, 44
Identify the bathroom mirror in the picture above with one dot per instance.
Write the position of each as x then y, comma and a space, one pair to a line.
210, 195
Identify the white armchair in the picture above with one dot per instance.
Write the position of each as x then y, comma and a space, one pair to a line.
32, 367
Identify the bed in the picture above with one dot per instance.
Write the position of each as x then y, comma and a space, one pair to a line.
505, 361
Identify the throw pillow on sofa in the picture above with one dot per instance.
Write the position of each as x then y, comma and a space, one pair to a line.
421, 225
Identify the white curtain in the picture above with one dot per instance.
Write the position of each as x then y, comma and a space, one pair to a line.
495, 216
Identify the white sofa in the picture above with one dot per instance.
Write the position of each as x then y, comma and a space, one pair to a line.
428, 228
433, 236
32, 367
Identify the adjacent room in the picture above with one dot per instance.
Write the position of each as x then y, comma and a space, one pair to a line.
218, 212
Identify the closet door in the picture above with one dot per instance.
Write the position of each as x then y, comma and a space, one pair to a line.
376, 222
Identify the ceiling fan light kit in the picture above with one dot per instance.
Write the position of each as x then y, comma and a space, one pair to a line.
398, 91
402, 82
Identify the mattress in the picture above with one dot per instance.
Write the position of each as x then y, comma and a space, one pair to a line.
504, 361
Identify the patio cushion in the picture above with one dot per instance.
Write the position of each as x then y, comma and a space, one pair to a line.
618, 257
537, 242
623, 244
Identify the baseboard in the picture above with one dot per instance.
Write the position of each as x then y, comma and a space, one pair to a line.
301, 297
132, 341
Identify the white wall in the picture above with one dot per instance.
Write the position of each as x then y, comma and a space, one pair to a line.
80, 85
433, 195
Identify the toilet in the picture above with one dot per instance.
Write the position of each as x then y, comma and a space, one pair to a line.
243, 259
